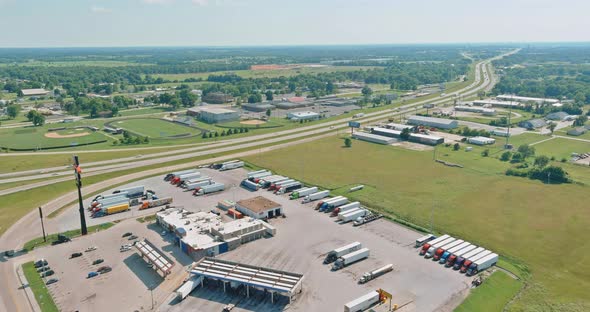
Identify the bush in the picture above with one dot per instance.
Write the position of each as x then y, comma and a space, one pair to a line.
506, 156
516, 173
517, 157
456, 147
485, 153
348, 142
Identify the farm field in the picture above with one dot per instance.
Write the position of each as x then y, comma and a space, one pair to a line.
492, 295
155, 128
265, 73
478, 203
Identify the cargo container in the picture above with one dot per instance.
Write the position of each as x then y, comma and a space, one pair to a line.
458, 254
341, 251
118, 208
132, 192
460, 260
441, 250
375, 273
324, 202
287, 188
434, 247
362, 303
185, 289
226, 204
192, 181
218, 166
327, 207
345, 208
303, 192
172, 175
230, 166
316, 196
352, 215
350, 258
156, 203
196, 185
468, 261
449, 251
276, 185
424, 239
482, 264
253, 173
234, 213
427, 245
211, 188
249, 185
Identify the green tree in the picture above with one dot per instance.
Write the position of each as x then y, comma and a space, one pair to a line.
456, 147
348, 142
146, 140
174, 104
526, 151
485, 153
269, 95
366, 91
268, 112
580, 121
204, 135
405, 134
13, 110
551, 127
211, 134
115, 110
541, 161
506, 156
38, 120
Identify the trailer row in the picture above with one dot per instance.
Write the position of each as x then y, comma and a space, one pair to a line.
456, 253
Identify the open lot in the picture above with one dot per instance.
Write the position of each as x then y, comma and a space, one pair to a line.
301, 242
517, 217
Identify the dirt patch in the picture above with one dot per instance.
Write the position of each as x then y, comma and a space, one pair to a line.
413, 146
55, 135
252, 122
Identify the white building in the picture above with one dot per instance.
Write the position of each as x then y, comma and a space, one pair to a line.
496, 103
479, 140
433, 122
217, 114
296, 116
34, 92
524, 99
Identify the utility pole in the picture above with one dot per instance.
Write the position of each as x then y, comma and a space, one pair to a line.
77, 174
42, 225
509, 116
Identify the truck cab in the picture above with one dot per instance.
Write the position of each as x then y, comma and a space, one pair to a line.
466, 265
451, 261
458, 263
439, 252
430, 252
424, 249
444, 257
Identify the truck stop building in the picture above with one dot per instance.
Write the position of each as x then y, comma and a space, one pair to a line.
433, 122
259, 207
234, 275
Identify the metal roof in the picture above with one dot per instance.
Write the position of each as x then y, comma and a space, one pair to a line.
279, 281
432, 120
154, 256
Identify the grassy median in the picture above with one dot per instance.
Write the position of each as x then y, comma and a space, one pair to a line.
39, 289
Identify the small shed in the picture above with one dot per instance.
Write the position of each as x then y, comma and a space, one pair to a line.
259, 207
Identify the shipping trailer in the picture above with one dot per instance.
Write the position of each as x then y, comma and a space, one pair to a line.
185, 289
196, 185
249, 185
441, 250
303, 192
276, 185
207, 189
287, 188
197, 180
460, 260
260, 175
427, 246
468, 261
327, 207
350, 258
375, 273
132, 192
362, 303
482, 264
230, 166
434, 247
156, 203
172, 175
448, 252
457, 254
253, 173
345, 208
424, 239
325, 202
341, 251
352, 215
316, 196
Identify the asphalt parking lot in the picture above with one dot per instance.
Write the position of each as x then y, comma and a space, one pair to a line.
302, 240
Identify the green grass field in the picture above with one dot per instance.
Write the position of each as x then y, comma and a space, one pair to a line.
154, 128
34, 137
265, 73
39, 289
516, 217
496, 291
39, 242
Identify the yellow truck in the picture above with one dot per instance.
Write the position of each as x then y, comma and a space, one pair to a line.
117, 208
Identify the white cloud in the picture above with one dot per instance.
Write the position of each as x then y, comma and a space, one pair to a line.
201, 2
100, 10
158, 1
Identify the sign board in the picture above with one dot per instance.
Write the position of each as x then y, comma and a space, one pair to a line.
354, 124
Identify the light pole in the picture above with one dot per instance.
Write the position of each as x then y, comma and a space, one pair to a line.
77, 174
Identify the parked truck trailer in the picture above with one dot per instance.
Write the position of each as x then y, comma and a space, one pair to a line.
460, 260
482, 264
441, 250
315, 196
469, 261
375, 273
249, 185
329, 206
207, 189
253, 173
424, 239
341, 251
352, 215
362, 303
426, 246
132, 192
185, 289
230, 166
287, 188
276, 185
172, 175
156, 203
350, 258
260, 175
435, 247
193, 186
267, 181
458, 254
448, 252
345, 208
197, 180
326, 201
303, 192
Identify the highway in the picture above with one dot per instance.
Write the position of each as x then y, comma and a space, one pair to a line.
13, 299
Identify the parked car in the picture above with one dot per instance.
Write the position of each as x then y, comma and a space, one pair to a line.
97, 261
76, 255
215, 212
229, 307
43, 269
132, 237
51, 281
127, 234
91, 248
41, 262
9, 253
164, 233
104, 269
47, 273
92, 274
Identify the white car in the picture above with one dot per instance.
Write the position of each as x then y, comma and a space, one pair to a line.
92, 248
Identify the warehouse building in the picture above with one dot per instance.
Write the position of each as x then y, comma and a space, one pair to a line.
373, 138
558, 116
426, 139
259, 207
479, 140
399, 127
391, 133
34, 92
496, 103
217, 115
532, 124
480, 110
524, 99
577, 131
433, 122
258, 107
291, 105
500, 132
296, 116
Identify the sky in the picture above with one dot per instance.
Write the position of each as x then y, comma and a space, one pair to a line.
91, 23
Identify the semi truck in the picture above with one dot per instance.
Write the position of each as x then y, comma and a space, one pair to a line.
445, 256
185, 289
459, 253
276, 185
156, 202
172, 175
207, 189
366, 219
249, 185
344, 208
232, 165
287, 188
426, 246
341, 251
362, 303
424, 239
102, 197
315, 196
460, 260
112, 198
329, 206
185, 177
482, 264
267, 181
468, 261
441, 250
303, 192
324, 202
253, 173
195, 185
218, 166
259, 176
115, 209
197, 180
352, 215
375, 273
350, 258
435, 247
132, 192
110, 202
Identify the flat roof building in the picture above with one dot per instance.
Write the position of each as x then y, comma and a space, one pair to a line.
257, 107
34, 92
496, 103
259, 207
374, 138
296, 116
433, 122
217, 115
479, 140
524, 99
559, 116
532, 124
289, 105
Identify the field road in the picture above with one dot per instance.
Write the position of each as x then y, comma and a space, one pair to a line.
20, 232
